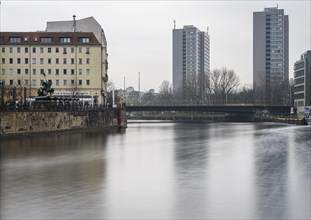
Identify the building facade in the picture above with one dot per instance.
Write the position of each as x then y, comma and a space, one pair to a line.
191, 56
302, 83
88, 24
270, 57
71, 60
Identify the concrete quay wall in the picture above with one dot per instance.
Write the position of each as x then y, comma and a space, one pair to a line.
12, 123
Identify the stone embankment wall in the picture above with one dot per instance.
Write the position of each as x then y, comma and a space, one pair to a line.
33, 122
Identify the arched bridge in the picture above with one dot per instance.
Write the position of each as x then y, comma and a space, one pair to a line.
246, 109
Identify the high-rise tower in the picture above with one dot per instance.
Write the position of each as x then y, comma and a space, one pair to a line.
191, 56
270, 56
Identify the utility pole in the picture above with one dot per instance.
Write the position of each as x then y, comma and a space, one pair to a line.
139, 87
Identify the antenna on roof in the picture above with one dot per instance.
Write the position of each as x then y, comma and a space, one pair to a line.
174, 24
74, 28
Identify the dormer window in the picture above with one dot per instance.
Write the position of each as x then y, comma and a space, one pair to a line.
84, 39
45, 39
15, 39
65, 39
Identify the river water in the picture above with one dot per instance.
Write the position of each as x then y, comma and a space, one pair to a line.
160, 170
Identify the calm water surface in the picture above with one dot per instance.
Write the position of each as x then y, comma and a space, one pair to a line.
160, 171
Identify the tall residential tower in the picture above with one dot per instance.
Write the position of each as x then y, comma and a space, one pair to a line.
191, 56
270, 56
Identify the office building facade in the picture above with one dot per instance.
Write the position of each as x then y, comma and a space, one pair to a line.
270, 57
191, 56
302, 83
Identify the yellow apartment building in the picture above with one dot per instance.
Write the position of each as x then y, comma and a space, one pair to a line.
75, 62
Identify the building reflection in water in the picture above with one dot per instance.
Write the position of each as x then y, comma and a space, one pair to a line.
190, 158
271, 173
50, 177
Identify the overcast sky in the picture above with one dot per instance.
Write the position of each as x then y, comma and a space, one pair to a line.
139, 33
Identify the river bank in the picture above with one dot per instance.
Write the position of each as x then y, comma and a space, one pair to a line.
32, 122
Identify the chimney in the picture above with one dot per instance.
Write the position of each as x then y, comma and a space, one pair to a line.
74, 28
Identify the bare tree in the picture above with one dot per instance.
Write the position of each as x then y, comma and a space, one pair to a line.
165, 93
165, 88
222, 83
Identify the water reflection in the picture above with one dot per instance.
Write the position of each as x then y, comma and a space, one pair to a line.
53, 177
190, 158
160, 171
271, 173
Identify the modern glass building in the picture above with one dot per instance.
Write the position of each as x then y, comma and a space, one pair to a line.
191, 56
270, 56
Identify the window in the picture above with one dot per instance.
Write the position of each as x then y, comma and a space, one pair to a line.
11, 60
11, 82
3, 71
65, 39
57, 82
72, 71
26, 71
45, 39
56, 50
18, 50
80, 60
41, 61
41, 49
87, 82
84, 39
34, 82
3, 49
49, 71
33, 49
3, 60
64, 50
11, 72
65, 61
26, 60
57, 71
65, 71
41, 82
34, 71
26, 49
72, 82
80, 82
49, 49
80, 49
87, 60
33, 60
26, 82
72, 61
57, 61
19, 82
42, 71
80, 71
87, 71
18, 60
87, 50
72, 49
15, 39
18, 71
11, 49
49, 60
65, 82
